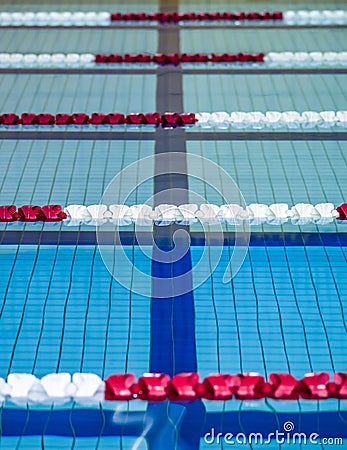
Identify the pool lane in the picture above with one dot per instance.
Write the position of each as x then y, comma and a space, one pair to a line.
285, 311
253, 40
51, 319
277, 172
264, 92
77, 93
69, 172
21, 40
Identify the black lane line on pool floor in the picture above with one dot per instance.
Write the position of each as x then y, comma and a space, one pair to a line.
172, 319
197, 238
185, 26
184, 71
173, 343
216, 135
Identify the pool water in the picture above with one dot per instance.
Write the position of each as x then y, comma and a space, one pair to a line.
62, 309
285, 311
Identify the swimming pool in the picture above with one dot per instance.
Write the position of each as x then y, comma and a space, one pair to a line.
294, 295
284, 312
76, 298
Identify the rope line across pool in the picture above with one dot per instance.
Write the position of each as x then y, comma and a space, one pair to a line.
89, 60
92, 18
166, 214
224, 120
181, 387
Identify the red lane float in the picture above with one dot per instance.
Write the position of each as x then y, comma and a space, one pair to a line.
115, 119
78, 119
9, 119
175, 17
50, 213
314, 386
219, 387
176, 58
118, 387
107, 119
166, 120
32, 213
175, 119
136, 119
62, 119
342, 210
183, 387
37, 119
8, 213
154, 118
152, 387
284, 386
340, 383
250, 386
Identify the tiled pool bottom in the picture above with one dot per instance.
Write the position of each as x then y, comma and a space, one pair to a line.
61, 310
111, 443
186, 426
284, 311
58, 443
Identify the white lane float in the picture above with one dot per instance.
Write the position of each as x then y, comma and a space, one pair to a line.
208, 214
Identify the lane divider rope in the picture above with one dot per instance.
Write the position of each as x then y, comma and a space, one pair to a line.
221, 119
164, 215
271, 59
181, 387
271, 119
44, 119
104, 18
176, 17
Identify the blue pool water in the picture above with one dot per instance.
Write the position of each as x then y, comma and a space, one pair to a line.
84, 316
55, 443
61, 310
284, 311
